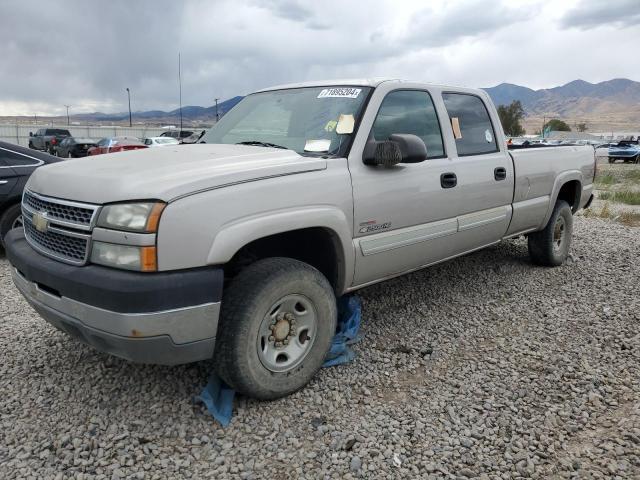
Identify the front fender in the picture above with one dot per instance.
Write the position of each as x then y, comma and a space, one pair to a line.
235, 235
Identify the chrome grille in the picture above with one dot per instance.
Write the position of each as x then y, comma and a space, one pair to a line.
67, 212
66, 234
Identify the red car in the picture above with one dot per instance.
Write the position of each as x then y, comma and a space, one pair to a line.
116, 144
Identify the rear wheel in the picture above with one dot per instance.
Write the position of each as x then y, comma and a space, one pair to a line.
550, 246
10, 219
278, 318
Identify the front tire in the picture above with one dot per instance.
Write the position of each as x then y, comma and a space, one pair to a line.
277, 322
10, 219
550, 246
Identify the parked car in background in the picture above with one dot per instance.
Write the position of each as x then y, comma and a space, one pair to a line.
160, 141
194, 137
180, 135
116, 144
46, 139
626, 150
16, 165
71, 147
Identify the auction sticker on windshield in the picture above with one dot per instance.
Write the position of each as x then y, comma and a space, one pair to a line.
344, 92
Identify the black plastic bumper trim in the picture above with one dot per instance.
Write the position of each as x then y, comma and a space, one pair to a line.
116, 290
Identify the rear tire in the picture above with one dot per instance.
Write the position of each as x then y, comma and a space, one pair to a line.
9, 220
550, 246
295, 305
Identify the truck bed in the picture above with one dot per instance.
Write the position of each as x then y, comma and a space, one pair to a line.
539, 173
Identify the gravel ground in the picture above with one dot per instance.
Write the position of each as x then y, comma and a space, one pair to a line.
485, 366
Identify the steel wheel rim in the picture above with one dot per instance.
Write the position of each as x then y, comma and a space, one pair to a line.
287, 333
559, 231
17, 223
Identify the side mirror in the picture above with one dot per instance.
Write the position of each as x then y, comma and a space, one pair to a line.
400, 148
31, 134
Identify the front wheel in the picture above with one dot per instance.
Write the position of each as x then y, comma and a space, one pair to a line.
10, 219
550, 246
277, 322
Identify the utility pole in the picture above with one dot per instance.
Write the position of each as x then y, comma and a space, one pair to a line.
544, 121
217, 116
67, 114
129, 96
180, 90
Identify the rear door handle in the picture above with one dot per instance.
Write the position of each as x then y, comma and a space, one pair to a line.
448, 180
499, 173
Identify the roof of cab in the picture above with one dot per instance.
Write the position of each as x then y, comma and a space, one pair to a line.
368, 82
350, 82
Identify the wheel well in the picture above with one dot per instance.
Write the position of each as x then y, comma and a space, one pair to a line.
570, 193
319, 247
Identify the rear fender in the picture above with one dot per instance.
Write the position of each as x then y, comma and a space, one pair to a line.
561, 179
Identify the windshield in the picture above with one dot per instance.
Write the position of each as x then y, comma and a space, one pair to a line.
306, 120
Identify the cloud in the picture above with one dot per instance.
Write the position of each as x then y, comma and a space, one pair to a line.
85, 54
589, 14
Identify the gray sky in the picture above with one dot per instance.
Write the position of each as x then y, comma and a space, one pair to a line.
85, 53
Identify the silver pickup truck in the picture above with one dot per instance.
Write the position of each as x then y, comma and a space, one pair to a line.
236, 248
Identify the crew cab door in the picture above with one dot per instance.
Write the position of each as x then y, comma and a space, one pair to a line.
484, 169
405, 215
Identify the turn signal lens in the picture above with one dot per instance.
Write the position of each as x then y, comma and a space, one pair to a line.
148, 259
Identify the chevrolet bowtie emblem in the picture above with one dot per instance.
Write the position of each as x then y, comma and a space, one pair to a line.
40, 222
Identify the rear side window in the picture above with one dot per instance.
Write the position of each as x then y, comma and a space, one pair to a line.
471, 124
12, 159
410, 111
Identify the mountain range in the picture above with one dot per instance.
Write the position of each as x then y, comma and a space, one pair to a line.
613, 105
191, 114
604, 106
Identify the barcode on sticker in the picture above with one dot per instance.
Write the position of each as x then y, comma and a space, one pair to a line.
340, 93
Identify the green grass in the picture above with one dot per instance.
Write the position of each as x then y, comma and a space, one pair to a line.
622, 196
623, 174
606, 179
633, 175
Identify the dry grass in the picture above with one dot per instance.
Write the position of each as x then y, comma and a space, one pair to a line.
626, 217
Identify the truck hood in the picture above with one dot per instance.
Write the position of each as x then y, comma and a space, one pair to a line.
165, 173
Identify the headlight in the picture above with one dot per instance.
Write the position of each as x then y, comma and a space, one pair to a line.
135, 217
141, 259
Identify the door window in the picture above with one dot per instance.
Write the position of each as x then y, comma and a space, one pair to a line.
13, 159
412, 112
471, 124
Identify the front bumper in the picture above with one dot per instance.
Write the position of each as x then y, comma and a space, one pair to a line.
166, 318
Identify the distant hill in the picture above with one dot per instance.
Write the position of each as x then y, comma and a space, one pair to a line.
613, 104
189, 114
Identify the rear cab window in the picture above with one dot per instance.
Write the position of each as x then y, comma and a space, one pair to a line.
472, 128
410, 112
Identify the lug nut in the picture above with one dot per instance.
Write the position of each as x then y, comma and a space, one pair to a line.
278, 344
271, 338
286, 341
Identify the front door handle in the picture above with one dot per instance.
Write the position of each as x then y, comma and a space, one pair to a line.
3, 182
499, 173
448, 180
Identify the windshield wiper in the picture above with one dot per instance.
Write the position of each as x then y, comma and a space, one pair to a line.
262, 144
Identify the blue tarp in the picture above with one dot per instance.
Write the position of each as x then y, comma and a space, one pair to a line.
218, 397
